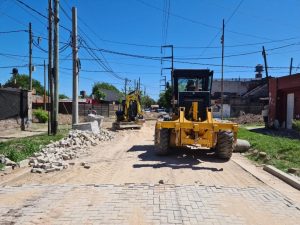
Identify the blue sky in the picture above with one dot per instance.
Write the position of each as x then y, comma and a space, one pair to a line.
193, 23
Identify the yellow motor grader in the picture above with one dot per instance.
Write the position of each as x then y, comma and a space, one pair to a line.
130, 116
192, 123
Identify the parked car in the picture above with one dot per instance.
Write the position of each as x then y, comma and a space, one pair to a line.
160, 110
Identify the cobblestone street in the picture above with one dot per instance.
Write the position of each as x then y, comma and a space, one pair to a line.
145, 204
128, 184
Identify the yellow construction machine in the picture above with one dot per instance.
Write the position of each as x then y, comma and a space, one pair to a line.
192, 123
130, 115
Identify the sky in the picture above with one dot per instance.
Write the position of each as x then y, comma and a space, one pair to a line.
139, 27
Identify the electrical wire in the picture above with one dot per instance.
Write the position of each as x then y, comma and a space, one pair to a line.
13, 31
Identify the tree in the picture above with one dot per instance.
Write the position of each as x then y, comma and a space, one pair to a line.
165, 98
99, 95
104, 85
147, 101
23, 82
63, 96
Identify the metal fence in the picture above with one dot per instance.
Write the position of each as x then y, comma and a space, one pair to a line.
13, 103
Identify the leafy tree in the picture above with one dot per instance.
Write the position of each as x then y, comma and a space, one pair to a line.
165, 98
104, 85
22, 81
99, 95
147, 101
63, 96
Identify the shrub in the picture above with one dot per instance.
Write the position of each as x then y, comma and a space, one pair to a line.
41, 115
296, 125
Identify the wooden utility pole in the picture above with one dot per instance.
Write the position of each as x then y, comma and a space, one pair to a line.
222, 70
75, 67
45, 106
30, 57
291, 66
50, 72
56, 65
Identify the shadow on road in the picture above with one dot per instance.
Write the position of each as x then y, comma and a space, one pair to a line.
177, 159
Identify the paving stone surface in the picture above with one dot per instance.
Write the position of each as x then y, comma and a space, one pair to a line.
145, 204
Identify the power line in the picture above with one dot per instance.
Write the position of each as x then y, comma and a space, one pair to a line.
198, 22
13, 31
103, 63
32, 9
39, 13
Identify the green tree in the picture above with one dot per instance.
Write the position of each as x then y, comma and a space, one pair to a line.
99, 95
63, 96
147, 101
22, 81
165, 98
104, 85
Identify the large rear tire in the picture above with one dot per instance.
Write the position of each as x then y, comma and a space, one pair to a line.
225, 145
162, 138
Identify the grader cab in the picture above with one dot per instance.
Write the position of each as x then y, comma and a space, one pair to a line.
192, 123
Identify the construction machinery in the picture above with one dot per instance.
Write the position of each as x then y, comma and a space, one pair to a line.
130, 115
192, 123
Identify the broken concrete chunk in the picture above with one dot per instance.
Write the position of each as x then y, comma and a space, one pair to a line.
86, 166
37, 170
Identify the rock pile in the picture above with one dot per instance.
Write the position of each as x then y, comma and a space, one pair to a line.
53, 156
248, 119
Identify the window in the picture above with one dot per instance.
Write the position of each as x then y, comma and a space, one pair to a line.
192, 84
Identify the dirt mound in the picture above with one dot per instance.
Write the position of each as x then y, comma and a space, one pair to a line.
248, 119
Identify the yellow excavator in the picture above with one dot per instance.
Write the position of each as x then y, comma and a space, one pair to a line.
130, 115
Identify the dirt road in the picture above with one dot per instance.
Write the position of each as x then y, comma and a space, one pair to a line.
128, 184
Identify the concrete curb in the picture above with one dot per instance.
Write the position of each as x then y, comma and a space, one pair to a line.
283, 176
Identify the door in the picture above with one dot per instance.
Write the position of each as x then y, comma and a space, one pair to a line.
290, 110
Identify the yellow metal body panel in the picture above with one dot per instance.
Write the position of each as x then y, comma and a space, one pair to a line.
199, 133
135, 96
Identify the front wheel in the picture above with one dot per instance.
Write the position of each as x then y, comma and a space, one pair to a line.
225, 145
162, 138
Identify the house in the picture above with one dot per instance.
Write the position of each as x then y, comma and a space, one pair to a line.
240, 95
112, 97
284, 100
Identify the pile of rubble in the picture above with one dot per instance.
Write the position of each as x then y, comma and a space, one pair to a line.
54, 156
249, 119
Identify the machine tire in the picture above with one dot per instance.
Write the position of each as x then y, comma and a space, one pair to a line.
162, 138
225, 145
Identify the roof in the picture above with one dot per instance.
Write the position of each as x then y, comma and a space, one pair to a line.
111, 96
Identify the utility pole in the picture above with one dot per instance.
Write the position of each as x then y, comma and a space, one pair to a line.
144, 90
266, 67
222, 69
75, 67
125, 88
56, 65
172, 70
45, 106
30, 57
49, 105
265, 60
50, 71
291, 66
139, 87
